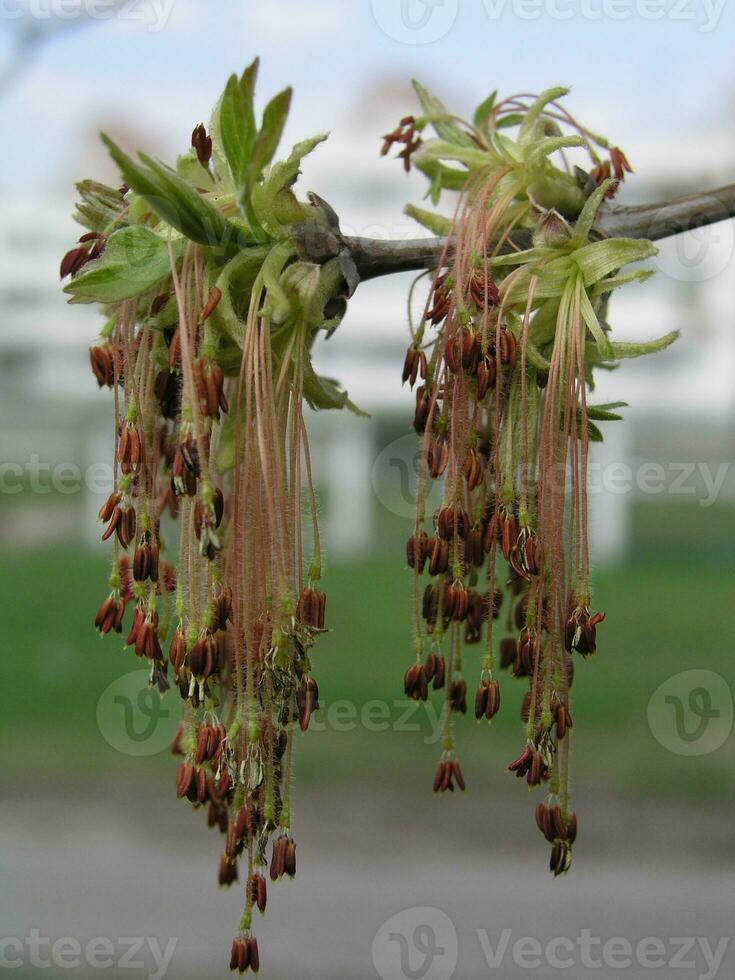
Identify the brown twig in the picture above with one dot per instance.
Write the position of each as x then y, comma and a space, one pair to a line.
374, 257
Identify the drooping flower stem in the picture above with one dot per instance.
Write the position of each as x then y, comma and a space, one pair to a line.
508, 341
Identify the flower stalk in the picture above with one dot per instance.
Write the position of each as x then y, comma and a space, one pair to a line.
505, 352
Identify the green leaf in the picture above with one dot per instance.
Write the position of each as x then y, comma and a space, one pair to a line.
610, 283
546, 147
303, 279
177, 202
543, 324
267, 197
135, 261
604, 412
551, 281
278, 307
430, 157
559, 192
190, 169
235, 282
509, 151
439, 150
594, 434
446, 128
226, 447
607, 406
510, 119
586, 219
437, 223
482, 112
200, 220
326, 393
441, 177
267, 140
628, 349
536, 358
527, 257
598, 259
99, 206
534, 112
237, 123
594, 326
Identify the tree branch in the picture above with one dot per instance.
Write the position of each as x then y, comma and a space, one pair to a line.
374, 257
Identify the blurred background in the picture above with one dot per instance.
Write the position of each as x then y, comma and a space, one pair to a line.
95, 846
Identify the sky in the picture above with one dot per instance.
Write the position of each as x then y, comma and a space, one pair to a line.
660, 69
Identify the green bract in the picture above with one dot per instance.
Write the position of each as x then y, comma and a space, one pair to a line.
544, 201
240, 207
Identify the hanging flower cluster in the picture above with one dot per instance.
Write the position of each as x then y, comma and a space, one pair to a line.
502, 362
215, 280
210, 318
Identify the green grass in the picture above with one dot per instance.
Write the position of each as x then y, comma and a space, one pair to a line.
663, 616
